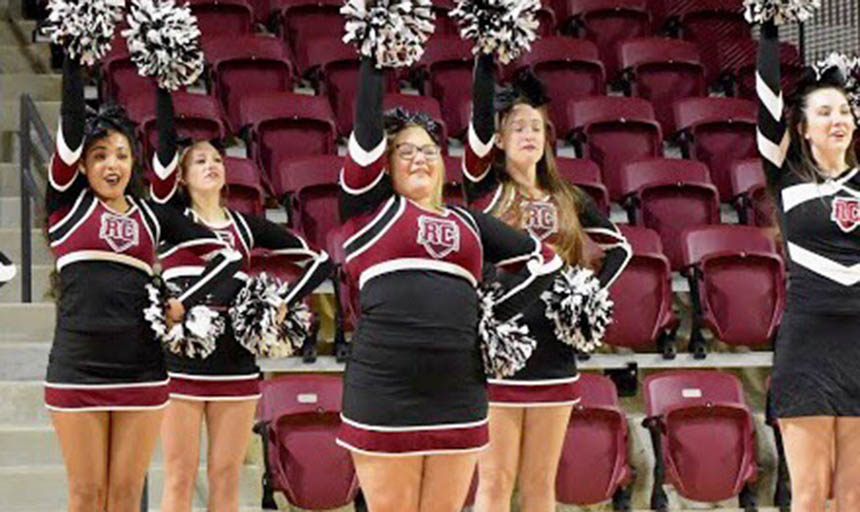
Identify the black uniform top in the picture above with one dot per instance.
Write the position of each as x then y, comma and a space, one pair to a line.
818, 219
105, 257
417, 269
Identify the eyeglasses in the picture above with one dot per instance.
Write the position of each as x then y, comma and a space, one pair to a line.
408, 151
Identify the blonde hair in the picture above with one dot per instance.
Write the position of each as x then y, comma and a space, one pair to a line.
438, 164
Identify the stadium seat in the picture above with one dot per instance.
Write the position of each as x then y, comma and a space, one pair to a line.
613, 131
669, 195
453, 191
314, 204
346, 306
569, 69
445, 24
717, 131
286, 125
644, 293
218, 18
243, 66
737, 284
750, 196
594, 465
738, 60
244, 189
711, 21
298, 417
118, 77
606, 23
703, 436
585, 174
299, 21
298, 172
662, 71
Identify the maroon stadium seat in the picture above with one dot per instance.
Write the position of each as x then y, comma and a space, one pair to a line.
244, 189
594, 465
314, 203
737, 284
717, 131
300, 415
606, 23
305, 171
453, 191
445, 73
750, 195
669, 195
217, 18
569, 69
286, 125
703, 436
644, 292
299, 21
119, 78
246, 65
613, 131
712, 21
585, 174
662, 71
738, 59
445, 24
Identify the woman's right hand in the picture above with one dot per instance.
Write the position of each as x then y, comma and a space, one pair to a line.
175, 312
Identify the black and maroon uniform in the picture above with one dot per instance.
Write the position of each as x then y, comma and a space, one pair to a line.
415, 383
550, 374
104, 355
230, 372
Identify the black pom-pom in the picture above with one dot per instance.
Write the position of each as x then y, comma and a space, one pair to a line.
84, 28
579, 307
503, 27
392, 32
195, 337
505, 346
255, 313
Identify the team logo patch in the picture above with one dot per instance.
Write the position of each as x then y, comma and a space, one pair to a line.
119, 232
846, 213
439, 237
226, 237
541, 219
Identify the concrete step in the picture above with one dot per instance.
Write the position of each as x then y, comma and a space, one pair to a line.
11, 291
15, 58
10, 180
43, 488
27, 323
39, 87
10, 212
23, 361
10, 244
22, 405
9, 121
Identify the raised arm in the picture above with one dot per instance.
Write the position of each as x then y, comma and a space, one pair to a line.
481, 184
607, 235
166, 159
773, 137
63, 170
363, 182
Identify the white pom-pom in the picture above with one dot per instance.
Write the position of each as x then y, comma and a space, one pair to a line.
506, 27
393, 32
195, 337
780, 11
505, 346
254, 316
84, 28
579, 307
154, 311
164, 42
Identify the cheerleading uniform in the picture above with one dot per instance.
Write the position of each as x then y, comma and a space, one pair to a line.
230, 372
549, 377
817, 354
104, 355
415, 382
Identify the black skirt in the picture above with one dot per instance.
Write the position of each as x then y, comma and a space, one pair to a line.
817, 365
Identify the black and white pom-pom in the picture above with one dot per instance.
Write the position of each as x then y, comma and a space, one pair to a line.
164, 42
254, 317
506, 27
154, 311
505, 346
195, 337
393, 32
85, 28
579, 307
780, 11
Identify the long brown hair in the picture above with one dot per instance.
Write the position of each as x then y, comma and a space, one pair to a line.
569, 200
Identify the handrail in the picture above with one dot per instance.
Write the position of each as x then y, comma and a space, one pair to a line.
30, 121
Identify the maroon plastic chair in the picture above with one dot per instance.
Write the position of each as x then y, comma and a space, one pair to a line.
298, 417
285, 125
712, 21
737, 284
242, 66
445, 24
585, 174
739, 61
613, 131
703, 436
750, 196
314, 203
119, 79
669, 195
569, 68
296, 173
299, 21
593, 465
445, 73
244, 188
606, 23
218, 18
717, 131
262, 11
453, 191
644, 292
662, 71
423, 104
197, 116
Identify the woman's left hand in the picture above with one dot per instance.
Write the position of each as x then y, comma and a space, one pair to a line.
175, 312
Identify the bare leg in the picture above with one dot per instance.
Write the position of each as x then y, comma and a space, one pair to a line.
498, 465
84, 440
180, 443
133, 435
808, 451
228, 424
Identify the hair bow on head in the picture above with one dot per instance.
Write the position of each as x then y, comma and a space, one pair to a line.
526, 87
399, 118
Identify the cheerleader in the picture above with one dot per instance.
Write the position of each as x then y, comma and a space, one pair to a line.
811, 167
106, 384
415, 404
221, 389
510, 173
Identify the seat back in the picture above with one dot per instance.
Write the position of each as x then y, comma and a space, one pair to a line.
663, 71
585, 174
593, 461
613, 131
216, 18
711, 21
317, 211
303, 20
446, 67
750, 195
243, 186
608, 22
453, 191
303, 171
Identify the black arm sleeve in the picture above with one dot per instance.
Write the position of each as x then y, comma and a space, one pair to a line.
603, 231
165, 162
481, 183
73, 108
773, 137
64, 185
